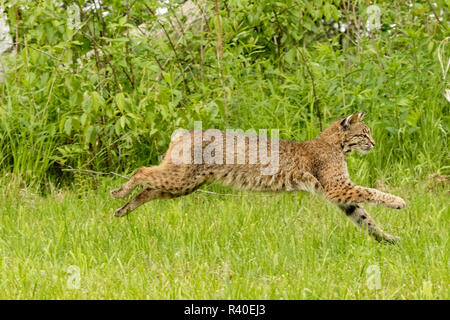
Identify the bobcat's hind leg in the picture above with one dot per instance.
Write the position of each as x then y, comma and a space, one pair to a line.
362, 219
161, 183
142, 176
306, 181
144, 196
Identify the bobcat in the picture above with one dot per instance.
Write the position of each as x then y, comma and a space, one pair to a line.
317, 165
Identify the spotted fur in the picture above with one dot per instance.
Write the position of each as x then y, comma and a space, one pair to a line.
317, 165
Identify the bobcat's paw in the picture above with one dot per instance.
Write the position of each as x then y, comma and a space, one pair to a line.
391, 239
116, 193
397, 203
120, 213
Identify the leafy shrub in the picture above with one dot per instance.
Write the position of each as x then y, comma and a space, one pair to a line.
106, 93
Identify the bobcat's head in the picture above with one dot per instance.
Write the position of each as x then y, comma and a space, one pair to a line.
355, 134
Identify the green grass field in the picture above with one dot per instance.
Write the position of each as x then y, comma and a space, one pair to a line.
103, 87
205, 246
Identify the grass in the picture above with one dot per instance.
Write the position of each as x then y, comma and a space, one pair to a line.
203, 246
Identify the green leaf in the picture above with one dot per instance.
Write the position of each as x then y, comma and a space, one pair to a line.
291, 56
68, 126
91, 135
123, 122
120, 101
123, 20
167, 77
87, 102
392, 130
403, 102
85, 119
327, 11
97, 101
117, 128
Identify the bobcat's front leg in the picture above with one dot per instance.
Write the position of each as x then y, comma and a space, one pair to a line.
362, 219
348, 193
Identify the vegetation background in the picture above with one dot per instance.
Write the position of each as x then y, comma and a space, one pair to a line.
101, 85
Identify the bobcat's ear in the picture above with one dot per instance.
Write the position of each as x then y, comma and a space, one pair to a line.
349, 120
361, 115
